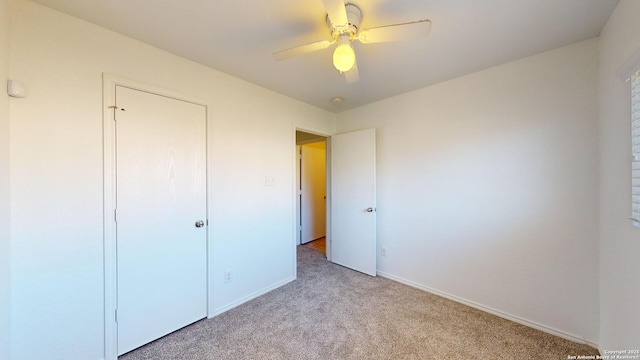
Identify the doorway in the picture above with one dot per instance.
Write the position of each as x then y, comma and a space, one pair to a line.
350, 197
311, 188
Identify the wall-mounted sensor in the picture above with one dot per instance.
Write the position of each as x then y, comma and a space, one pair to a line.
16, 89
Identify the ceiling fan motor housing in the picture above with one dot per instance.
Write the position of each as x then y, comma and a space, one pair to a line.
354, 16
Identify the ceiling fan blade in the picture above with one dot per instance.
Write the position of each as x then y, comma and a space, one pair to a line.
398, 32
337, 12
303, 49
352, 75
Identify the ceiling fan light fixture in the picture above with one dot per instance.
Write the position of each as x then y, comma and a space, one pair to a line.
344, 58
343, 21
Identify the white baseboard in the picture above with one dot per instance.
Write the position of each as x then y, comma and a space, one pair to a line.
517, 319
251, 296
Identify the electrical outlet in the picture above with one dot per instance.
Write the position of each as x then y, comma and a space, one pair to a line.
383, 251
227, 276
270, 180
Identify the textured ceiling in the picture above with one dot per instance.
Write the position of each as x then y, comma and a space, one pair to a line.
238, 37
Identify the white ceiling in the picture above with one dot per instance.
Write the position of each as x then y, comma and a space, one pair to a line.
238, 37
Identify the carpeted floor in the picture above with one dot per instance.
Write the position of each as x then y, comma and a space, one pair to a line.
331, 312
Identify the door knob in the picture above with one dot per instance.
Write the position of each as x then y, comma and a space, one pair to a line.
370, 209
199, 223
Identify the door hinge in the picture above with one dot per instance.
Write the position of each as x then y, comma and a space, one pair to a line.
116, 315
115, 215
114, 108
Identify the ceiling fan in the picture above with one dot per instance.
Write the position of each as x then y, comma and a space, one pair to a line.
344, 22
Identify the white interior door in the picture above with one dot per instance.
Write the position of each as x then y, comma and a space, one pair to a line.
161, 194
353, 200
313, 185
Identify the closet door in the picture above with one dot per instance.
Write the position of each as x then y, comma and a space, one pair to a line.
160, 216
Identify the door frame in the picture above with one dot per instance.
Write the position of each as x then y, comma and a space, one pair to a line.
109, 83
295, 192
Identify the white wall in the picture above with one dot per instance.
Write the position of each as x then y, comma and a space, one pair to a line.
487, 188
56, 170
5, 207
619, 240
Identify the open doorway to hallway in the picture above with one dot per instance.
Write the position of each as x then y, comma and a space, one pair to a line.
311, 186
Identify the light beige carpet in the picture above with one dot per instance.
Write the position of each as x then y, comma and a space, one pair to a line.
332, 312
